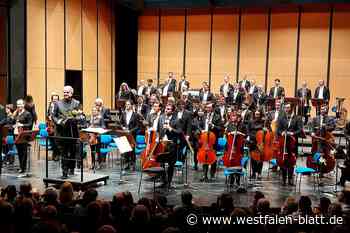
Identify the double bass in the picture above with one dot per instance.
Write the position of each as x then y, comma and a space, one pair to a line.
149, 155
233, 155
286, 153
264, 139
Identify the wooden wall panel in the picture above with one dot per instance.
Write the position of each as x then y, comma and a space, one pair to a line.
283, 50
147, 59
36, 54
55, 47
3, 34
73, 36
89, 35
171, 43
340, 68
89, 89
313, 48
224, 55
104, 52
197, 47
113, 91
253, 46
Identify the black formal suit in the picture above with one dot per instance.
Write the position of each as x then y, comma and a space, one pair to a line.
253, 90
247, 116
105, 114
304, 103
280, 92
209, 98
183, 82
149, 90
3, 121
25, 118
184, 126
236, 99
132, 126
259, 99
246, 85
326, 93
171, 86
229, 89
142, 109
222, 110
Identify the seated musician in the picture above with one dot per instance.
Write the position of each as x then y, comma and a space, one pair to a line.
96, 121
210, 122
141, 108
129, 121
104, 111
304, 95
63, 116
256, 124
169, 131
125, 93
205, 95
235, 125
289, 127
21, 119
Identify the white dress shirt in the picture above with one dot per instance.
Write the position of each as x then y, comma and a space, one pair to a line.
225, 89
165, 90
128, 117
205, 96
251, 89
320, 93
155, 122
140, 90
275, 92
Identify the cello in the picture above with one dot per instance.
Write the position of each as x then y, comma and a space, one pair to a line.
233, 155
149, 155
206, 154
264, 139
286, 152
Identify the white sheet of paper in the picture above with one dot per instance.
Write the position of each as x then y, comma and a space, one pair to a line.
123, 144
96, 130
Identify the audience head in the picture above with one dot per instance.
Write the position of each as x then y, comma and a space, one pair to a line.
263, 206
106, 229
186, 198
66, 193
140, 214
305, 205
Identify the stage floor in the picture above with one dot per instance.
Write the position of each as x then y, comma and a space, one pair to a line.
204, 193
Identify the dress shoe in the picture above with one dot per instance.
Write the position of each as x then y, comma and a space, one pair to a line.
71, 172
204, 179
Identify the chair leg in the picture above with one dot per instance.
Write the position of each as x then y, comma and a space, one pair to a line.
300, 183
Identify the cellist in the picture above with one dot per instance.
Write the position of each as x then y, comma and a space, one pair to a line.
210, 122
258, 123
289, 127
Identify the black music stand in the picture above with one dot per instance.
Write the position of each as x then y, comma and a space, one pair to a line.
317, 103
25, 137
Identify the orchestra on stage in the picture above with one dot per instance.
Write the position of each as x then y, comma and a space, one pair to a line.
235, 126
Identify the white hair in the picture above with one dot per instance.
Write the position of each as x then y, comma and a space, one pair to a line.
99, 100
68, 88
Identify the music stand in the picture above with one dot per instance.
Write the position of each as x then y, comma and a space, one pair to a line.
131, 140
317, 103
25, 137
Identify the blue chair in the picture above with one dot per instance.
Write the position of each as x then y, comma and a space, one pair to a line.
105, 150
303, 171
220, 150
10, 142
239, 170
42, 135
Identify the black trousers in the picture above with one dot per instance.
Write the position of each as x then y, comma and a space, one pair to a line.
68, 150
257, 166
212, 169
171, 160
22, 155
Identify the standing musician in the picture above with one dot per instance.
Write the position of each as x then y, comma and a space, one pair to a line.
129, 121
237, 95
170, 85
188, 102
3, 121
253, 89
304, 95
259, 97
277, 92
141, 108
244, 84
205, 95
221, 109
210, 122
183, 84
289, 127
96, 121
183, 125
197, 119
226, 88
322, 93
65, 126
246, 114
21, 120
141, 90
256, 124
54, 99
168, 130
125, 93
150, 89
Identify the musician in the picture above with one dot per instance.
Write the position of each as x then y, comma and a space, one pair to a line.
244, 83
170, 85
65, 126
221, 109
277, 91
30, 107
289, 126
150, 89
205, 95
129, 121
188, 102
141, 108
345, 170
197, 119
96, 121
253, 88
274, 115
210, 122
54, 99
258, 123
322, 92
22, 119
183, 124
3, 121
169, 131
104, 111
125, 93
183, 84
141, 90
304, 95
259, 97
237, 95
226, 88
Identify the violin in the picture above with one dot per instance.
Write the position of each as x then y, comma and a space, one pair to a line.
232, 156
206, 154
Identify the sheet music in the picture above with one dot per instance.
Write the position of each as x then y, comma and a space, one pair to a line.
96, 130
123, 144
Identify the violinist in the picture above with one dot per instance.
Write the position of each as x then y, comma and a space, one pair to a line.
211, 122
129, 121
289, 127
141, 90
21, 120
170, 132
188, 102
246, 115
104, 111
50, 125
150, 89
233, 155
125, 93
259, 97
226, 88
256, 124
304, 95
